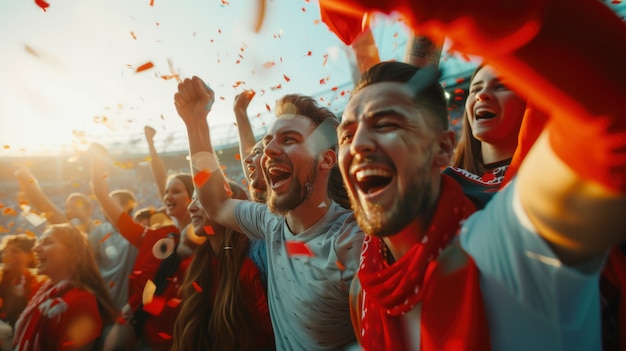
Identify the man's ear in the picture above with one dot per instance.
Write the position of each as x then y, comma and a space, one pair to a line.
328, 159
445, 148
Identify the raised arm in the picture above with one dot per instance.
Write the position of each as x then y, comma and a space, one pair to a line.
156, 162
193, 101
113, 210
37, 198
246, 136
99, 184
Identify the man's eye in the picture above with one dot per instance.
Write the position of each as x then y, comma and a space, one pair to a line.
345, 138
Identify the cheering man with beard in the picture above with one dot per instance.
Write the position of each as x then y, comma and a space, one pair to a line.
313, 243
525, 275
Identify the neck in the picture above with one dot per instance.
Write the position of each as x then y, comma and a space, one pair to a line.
401, 242
494, 153
217, 244
308, 213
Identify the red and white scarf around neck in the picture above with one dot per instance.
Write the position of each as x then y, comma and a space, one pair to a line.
390, 291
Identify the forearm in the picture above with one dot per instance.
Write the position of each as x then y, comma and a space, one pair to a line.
39, 201
246, 138
208, 178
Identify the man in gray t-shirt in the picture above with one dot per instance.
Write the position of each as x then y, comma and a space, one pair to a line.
313, 244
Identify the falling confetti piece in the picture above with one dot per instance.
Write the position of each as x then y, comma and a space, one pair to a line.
309, 53
298, 248
196, 286
164, 336
334, 88
340, 266
237, 157
201, 177
325, 60
268, 107
151, 2
132, 34
238, 83
459, 91
6, 146
31, 51
269, 64
148, 292
460, 80
173, 302
286, 78
44, 5
155, 307
144, 67
105, 238
208, 230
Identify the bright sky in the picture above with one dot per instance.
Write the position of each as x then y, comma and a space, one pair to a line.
66, 69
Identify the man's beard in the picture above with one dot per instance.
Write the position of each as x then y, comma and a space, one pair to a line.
298, 192
381, 222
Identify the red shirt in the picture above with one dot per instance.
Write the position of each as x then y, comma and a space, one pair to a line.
59, 317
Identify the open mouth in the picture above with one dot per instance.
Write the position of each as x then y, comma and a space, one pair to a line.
278, 175
371, 180
485, 113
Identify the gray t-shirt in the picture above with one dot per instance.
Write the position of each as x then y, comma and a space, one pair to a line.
115, 257
308, 296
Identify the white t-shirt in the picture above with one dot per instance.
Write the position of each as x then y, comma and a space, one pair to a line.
308, 296
532, 301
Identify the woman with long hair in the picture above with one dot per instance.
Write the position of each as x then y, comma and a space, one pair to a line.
491, 123
70, 310
224, 305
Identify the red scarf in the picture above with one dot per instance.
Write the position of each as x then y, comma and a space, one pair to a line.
27, 326
389, 291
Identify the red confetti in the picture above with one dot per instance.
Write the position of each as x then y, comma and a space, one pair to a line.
298, 248
340, 266
164, 336
269, 64
238, 83
325, 60
132, 34
460, 80
155, 307
309, 53
201, 177
41, 3
173, 302
151, 2
144, 67
334, 88
286, 78
459, 91
237, 157
104, 238
268, 107
322, 81
616, 2
303, 9
196, 286
208, 230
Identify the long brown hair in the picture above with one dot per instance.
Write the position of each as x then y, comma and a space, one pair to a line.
225, 323
468, 154
85, 274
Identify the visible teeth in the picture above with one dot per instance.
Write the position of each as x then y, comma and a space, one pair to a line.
275, 169
371, 172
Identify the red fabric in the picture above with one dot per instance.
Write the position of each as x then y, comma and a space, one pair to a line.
392, 290
263, 333
158, 330
59, 317
532, 125
453, 312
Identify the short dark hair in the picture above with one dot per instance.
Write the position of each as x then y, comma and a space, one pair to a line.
432, 98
